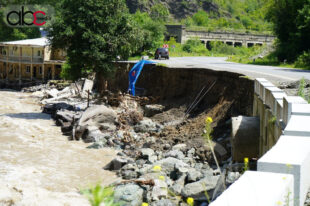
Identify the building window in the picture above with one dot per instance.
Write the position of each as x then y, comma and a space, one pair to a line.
39, 53
28, 69
40, 70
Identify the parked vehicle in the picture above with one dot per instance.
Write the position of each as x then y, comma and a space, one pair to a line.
162, 53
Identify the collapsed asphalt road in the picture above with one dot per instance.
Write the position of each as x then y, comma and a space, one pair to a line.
273, 74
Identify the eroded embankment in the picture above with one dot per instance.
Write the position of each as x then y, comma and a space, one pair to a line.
221, 94
149, 130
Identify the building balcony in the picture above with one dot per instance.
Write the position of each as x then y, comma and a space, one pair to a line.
24, 59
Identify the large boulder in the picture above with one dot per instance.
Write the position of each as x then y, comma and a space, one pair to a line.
148, 154
151, 110
194, 175
147, 125
54, 107
159, 189
117, 163
175, 153
98, 116
65, 116
129, 195
178, 185
197, 190
181, 147
170, 164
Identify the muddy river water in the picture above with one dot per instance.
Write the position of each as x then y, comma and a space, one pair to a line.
38, 165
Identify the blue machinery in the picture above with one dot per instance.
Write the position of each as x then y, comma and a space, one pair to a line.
135, 73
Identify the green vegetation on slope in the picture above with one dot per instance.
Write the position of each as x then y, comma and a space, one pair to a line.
291, 20
231, 15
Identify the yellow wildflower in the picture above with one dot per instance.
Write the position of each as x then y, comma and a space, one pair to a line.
162, 178
279, 203
157, 168
144, 204
246, 160
209, 120
190, 201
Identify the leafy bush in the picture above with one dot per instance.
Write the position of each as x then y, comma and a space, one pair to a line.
99, 194
151, 31
159, 13
201, 18
221, 48
194, 46
301, 88
303, 61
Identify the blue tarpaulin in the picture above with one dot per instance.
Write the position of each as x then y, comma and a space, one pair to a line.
134, 75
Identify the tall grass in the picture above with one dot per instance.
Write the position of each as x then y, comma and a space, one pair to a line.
98, 195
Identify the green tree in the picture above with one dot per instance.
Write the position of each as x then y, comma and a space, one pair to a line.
291, 26
159, 12
152, 31
94, 33
201, 18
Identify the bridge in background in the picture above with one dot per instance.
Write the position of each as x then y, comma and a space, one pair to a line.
181, 34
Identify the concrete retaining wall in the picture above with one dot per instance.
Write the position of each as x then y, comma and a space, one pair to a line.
181, 34
284, 147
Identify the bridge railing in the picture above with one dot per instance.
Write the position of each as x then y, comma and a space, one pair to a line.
282, 176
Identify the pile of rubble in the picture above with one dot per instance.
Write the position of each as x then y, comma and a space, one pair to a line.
153, 169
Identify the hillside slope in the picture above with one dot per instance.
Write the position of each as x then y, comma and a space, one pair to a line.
179, 9
234, 14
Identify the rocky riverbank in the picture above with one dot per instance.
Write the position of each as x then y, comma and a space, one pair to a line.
162, 156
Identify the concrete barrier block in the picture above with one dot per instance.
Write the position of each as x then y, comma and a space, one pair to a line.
275, 98
262, 88
301, 109
245, 137
259, 189
298, 126
257, 84
269, 95
290, 155
279, 110
287, 106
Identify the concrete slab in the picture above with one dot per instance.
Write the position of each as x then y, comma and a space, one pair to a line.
279, 110
245, 137
301, 109
258, 189
275, 98
262, 88
257, 84
298, 126
269, 95
287, 106
290, 155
